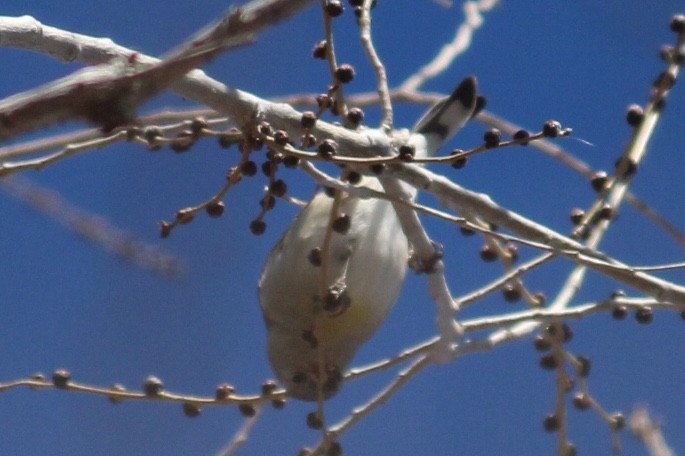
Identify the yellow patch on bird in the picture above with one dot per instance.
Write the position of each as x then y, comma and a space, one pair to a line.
349, 325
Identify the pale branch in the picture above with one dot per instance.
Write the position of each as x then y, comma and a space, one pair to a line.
558, 153
473, 20
166, 121
109, 95
379, 68
336, 90
69, 151
657, 218
428, 259
462, 200
61, 380
525, 323
497, 284
94, 229
577, 312
423, 351
609, 201
196, 86
242, 435
493, 120
242, 107
381, 398
423, 348
649, 431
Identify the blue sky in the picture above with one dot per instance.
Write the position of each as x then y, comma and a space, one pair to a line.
68, 304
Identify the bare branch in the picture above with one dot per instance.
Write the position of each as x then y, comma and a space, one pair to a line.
109, 95
459, 44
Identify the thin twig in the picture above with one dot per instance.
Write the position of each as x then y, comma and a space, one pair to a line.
242, 435
461, 42
379, 68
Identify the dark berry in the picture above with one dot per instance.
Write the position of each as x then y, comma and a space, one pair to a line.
644, 315
257, 227
290, 161
540, 299
165, 229
61, 378
678, 24
511, 293
492, 138
248, 168
191, 410
314, 420
459, 163
268, 387
635, 115
465, 231
334, 8
522, 135
324, 101
197, 125
329, 191
551, 129
548, 362
599, 180
247, 410
606, 212
355, 116
581, 401
665, 80
407, 152
268, 167
118, 388
327, 148
314, 257
626, 167
337, 300
488, 254
215, 209
183, 142
319, 51
278, 188
184, 216
264, 128
619, 312
577, 215
308, 119
345, 73
224, 391
618, 294
281, 137
353, 177
341, 224
152, 133
152, 386
551, 423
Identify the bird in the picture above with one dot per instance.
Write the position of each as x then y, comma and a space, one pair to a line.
336, 273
